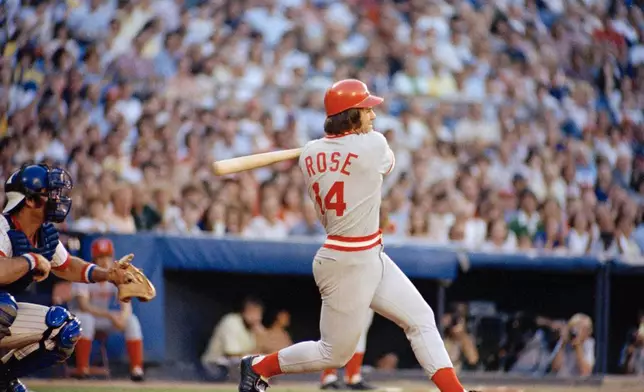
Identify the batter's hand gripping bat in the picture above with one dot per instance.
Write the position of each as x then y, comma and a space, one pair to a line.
249, 162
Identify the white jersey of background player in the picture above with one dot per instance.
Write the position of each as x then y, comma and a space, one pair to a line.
344, 173
95, 308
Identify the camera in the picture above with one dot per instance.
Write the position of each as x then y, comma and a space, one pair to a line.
573, 334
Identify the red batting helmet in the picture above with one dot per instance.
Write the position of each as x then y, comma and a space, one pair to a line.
102, 247
348, 94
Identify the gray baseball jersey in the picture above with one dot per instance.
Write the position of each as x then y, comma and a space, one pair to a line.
343, 175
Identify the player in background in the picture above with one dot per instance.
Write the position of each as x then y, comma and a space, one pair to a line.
94, 307
34, 337
344, 172
352, 370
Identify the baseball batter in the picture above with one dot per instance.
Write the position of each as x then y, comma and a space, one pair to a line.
34, 337
94, 307
344, 173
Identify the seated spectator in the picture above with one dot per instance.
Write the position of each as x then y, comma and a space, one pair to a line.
93, 304
604, 238
120, 219
308, 225
632, 356
275, 337
457, 231
145, 216
418, 223
460, 345
579, 236
498, 238
267, 225
550, 236
574, 354
291, 213
215, 219
527, 218
626, 244
94, 222
387, 363
234, 220
234, 337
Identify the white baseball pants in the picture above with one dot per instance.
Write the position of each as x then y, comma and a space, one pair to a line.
91, 324
26, 332
350, 283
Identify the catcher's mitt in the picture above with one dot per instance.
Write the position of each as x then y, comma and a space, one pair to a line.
130, 281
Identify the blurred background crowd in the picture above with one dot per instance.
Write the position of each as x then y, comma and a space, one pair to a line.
517, 124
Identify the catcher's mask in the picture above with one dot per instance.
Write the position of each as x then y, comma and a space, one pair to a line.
37, 181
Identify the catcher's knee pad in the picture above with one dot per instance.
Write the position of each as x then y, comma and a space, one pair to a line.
8, 313
67, 327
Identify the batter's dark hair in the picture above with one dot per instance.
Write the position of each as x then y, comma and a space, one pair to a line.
342, 122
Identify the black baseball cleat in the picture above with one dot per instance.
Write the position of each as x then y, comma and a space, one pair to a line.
249, 380
336, 385
137, 375
361, 386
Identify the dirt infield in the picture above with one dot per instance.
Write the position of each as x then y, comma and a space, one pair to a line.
631, 385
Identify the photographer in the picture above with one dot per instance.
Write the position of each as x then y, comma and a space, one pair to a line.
459, 344
632, 356
574, 354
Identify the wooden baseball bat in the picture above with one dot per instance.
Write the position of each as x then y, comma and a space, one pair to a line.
249, 162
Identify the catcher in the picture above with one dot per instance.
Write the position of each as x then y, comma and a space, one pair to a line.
94, 307
34, 337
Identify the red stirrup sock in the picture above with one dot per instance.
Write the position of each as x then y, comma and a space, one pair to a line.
446, 380
353, 368
135, 352
267, 366
329, 375
83, 351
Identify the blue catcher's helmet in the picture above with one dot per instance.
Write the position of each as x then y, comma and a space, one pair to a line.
36, 181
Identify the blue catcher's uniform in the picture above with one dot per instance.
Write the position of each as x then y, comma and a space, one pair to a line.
33, 337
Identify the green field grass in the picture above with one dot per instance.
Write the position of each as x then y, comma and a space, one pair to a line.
124, 386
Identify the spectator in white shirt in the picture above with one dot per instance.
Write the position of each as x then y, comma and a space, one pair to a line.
499, 239
234, 336
628, 248
95, 221
120, 219
575, 351
267, 225
579, 236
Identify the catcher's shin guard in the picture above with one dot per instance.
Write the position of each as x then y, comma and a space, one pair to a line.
57, 344
8, 313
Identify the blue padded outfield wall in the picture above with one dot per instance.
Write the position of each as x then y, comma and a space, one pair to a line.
198, 279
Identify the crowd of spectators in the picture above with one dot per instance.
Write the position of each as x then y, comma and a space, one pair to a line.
516, 124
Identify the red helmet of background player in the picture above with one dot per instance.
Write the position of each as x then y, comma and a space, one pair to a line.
102, 247
348, 94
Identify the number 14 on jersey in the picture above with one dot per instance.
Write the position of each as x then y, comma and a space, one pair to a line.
333, 200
